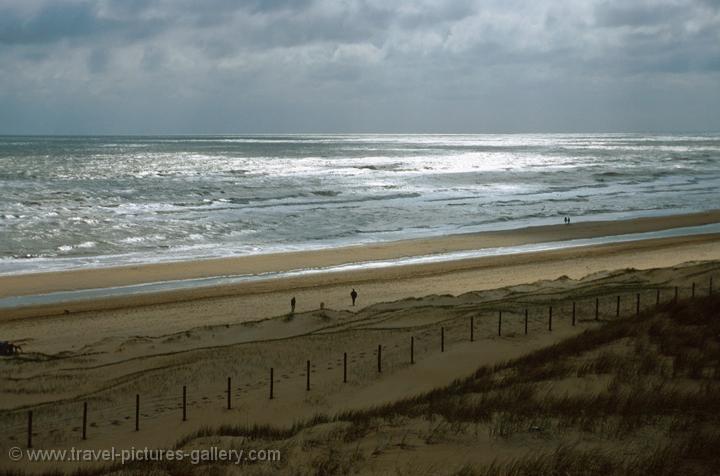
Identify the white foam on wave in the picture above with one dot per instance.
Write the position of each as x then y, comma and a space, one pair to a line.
155, 198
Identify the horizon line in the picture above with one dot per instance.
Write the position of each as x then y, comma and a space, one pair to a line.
240, 134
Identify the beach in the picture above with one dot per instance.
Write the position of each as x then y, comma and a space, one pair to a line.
106, 351
315, 238
175, 311
317, 260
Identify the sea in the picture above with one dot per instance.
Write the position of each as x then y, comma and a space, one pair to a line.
71, 202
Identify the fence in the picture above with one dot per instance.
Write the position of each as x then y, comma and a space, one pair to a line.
516, 315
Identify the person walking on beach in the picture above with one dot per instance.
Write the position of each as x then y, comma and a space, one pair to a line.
353, 295
292, 305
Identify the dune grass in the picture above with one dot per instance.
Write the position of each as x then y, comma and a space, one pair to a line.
636, 396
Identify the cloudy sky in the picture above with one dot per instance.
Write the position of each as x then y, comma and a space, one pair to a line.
223, 66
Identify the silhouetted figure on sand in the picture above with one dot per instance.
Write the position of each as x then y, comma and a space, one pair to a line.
292, 305
353, 295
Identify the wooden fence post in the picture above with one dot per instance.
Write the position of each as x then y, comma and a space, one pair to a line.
550, 319
137, 412
344, 367
676, 294
229, 393
693, 289
710, 287
597, 308
617, 309
412, 349
442, 339
379, 356
184, 403
637, 304
272, 383
472, 326
526, 320
29, 429
499, 323
84, 425
573, 315
307, 379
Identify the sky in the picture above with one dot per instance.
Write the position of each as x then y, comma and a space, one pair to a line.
422, 66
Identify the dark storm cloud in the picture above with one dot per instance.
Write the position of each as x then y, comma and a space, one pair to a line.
657, 37
51, 23
81, 21
449, 65
629, 14
134, 19
711, 3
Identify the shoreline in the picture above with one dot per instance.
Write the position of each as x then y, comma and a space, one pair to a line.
15, 285
18, 266
69, 297
271, 293
49, 329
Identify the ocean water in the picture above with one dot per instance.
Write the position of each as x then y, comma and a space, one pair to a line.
93, 201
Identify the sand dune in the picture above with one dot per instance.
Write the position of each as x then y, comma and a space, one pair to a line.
107, 370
